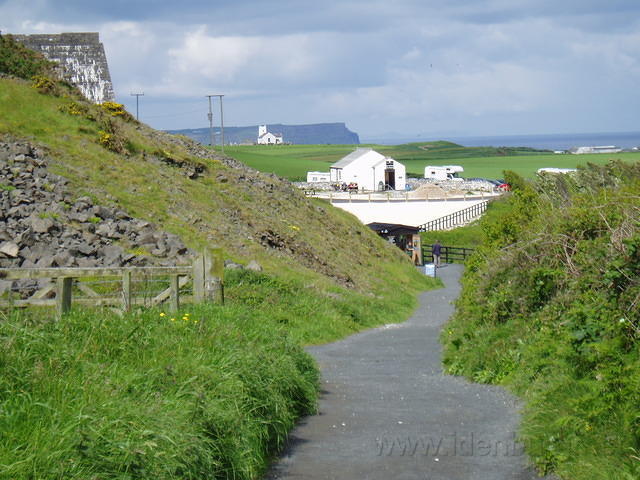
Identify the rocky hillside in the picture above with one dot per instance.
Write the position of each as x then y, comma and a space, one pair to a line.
134, 176
44, 225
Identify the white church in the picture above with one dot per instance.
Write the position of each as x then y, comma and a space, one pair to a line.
371, 170
267, 138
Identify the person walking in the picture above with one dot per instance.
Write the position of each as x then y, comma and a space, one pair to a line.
435, 251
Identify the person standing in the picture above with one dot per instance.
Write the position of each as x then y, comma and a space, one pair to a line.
435, 251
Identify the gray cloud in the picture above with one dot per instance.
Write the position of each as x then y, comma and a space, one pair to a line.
469, 67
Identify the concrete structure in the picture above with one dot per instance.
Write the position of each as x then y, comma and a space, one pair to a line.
82, 57
598, 149
556, 170
370, 170
267, 138
443, 172
318, 177
411, 213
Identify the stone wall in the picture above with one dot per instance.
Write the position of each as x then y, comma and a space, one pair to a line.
82, 57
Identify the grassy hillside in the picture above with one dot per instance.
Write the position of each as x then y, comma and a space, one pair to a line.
293, 161
212, 392
550, 309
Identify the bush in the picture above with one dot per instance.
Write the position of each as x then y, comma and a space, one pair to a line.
549, 308
18, 60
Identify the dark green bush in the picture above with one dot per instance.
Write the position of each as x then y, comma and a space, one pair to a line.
550, 308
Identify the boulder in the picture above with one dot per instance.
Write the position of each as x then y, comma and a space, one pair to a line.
9, 249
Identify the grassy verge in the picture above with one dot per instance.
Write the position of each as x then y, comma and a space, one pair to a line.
549, 309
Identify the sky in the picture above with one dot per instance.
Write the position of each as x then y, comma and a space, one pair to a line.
428, 68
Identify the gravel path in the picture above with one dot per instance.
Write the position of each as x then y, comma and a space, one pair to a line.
388, 412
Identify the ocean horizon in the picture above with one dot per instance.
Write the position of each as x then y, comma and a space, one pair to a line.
626, 140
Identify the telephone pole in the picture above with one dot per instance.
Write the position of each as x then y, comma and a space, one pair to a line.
210, 116
137, 95
221, 121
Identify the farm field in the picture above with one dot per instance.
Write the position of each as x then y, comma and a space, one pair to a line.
293, 161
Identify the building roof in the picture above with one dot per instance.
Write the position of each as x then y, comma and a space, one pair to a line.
355, 156
393, 229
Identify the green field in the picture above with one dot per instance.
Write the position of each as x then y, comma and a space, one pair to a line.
294, 161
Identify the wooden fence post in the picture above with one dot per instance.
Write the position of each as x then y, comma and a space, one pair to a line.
198, 278
126, 291
214, 275
174, 296
63, 295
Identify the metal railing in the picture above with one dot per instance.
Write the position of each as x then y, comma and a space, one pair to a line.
455, 219
447, 254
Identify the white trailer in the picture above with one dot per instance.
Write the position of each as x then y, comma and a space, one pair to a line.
443, 172
318, 177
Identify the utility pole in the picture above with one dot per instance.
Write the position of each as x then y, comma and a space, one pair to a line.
137, 95
221, 121
210, 116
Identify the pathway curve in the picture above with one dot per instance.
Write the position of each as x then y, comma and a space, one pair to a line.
388, 412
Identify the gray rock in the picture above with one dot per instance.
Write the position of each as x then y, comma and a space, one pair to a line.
233, 266
41, 225
86, 249
254, 266
45, 261
63, 258
9, 249
111, 255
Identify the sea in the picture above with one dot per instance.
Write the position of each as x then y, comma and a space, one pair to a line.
624, 140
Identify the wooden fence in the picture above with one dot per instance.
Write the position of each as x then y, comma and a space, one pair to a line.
454, 219
205, 276
447, 254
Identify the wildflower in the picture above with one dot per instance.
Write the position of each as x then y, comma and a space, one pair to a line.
162, 314
173, 319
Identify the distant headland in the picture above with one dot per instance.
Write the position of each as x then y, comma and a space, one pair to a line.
313, 134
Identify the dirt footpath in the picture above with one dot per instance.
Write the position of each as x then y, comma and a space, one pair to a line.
388, 412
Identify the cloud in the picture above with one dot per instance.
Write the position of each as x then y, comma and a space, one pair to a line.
497, 66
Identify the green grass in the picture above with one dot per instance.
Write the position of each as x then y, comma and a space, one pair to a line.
293, 161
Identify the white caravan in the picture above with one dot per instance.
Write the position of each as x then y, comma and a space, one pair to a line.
443, 172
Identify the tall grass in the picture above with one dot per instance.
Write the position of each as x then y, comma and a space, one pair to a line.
209, 393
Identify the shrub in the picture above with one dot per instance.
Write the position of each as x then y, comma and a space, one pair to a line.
549, 308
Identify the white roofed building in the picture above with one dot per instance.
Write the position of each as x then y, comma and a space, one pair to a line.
267, 138
371, 170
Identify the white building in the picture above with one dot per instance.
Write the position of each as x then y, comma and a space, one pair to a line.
370, 170
268, 138
316, 177
598, 149
443, 172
